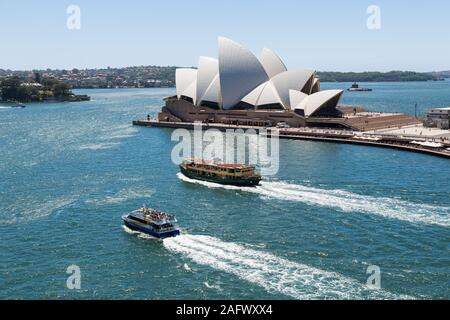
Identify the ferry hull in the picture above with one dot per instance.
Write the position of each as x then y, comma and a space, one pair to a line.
158, 235
247, 182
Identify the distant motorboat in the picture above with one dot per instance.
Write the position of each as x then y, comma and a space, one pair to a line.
9, 105
356, 87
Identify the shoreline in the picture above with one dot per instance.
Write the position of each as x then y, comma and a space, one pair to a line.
312, 134
74, 98
331, 82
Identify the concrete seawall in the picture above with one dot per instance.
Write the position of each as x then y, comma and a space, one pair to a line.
334, 136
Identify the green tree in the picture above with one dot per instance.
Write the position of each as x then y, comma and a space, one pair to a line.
9, 88
48, 83
61, 89
37, 77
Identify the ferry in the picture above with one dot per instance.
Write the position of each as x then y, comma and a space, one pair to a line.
155, 223
356, 87
228, 174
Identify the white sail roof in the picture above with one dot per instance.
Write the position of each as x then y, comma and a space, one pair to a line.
282, 89
184, 77
191, 91
208, 69
292, 80
295, 97
253, 97
212, 94
239, 71
315, 86
269, 95
239, 76
314, 102
264, 94
272, 63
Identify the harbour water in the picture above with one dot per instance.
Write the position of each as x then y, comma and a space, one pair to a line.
68, 171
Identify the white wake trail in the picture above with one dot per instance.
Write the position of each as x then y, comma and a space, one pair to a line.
344, 201
274, 274
123, 195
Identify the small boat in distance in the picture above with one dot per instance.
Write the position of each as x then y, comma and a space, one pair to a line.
155, 223
356, 87
228, 174
11, 104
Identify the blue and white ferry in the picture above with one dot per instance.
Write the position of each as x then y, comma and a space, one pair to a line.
156, 223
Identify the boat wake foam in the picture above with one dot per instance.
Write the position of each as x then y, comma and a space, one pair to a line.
343, 200
111, 138
121, 132
274, 274
98, 146
36, 209
139, 234
212, 286
123, 196
187, 268
129, 231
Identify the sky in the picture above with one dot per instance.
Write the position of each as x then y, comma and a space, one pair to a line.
322, 35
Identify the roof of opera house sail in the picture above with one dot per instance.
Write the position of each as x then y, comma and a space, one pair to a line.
238, 76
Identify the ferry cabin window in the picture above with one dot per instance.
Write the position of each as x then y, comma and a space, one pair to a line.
137, 219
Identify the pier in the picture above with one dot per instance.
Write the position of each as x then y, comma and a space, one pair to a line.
381, 138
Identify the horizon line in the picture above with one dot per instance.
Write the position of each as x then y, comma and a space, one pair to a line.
175, 66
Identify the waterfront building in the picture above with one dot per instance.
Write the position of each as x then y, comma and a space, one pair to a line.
438, 118
239, 88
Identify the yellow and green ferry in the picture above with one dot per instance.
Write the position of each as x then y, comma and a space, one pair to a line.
228, 174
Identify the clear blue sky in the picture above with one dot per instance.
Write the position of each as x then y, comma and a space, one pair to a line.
324, 35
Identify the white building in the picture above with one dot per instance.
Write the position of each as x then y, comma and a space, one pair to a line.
439, 118
239, 80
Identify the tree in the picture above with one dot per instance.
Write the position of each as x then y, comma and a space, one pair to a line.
37, 77
48, 83
61, 89
9, 88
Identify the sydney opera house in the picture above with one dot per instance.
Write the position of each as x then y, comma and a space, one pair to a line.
239, 88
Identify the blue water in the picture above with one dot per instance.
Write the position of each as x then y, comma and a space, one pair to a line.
397, 96
69, 171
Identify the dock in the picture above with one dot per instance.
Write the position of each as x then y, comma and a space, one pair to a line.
374, 138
